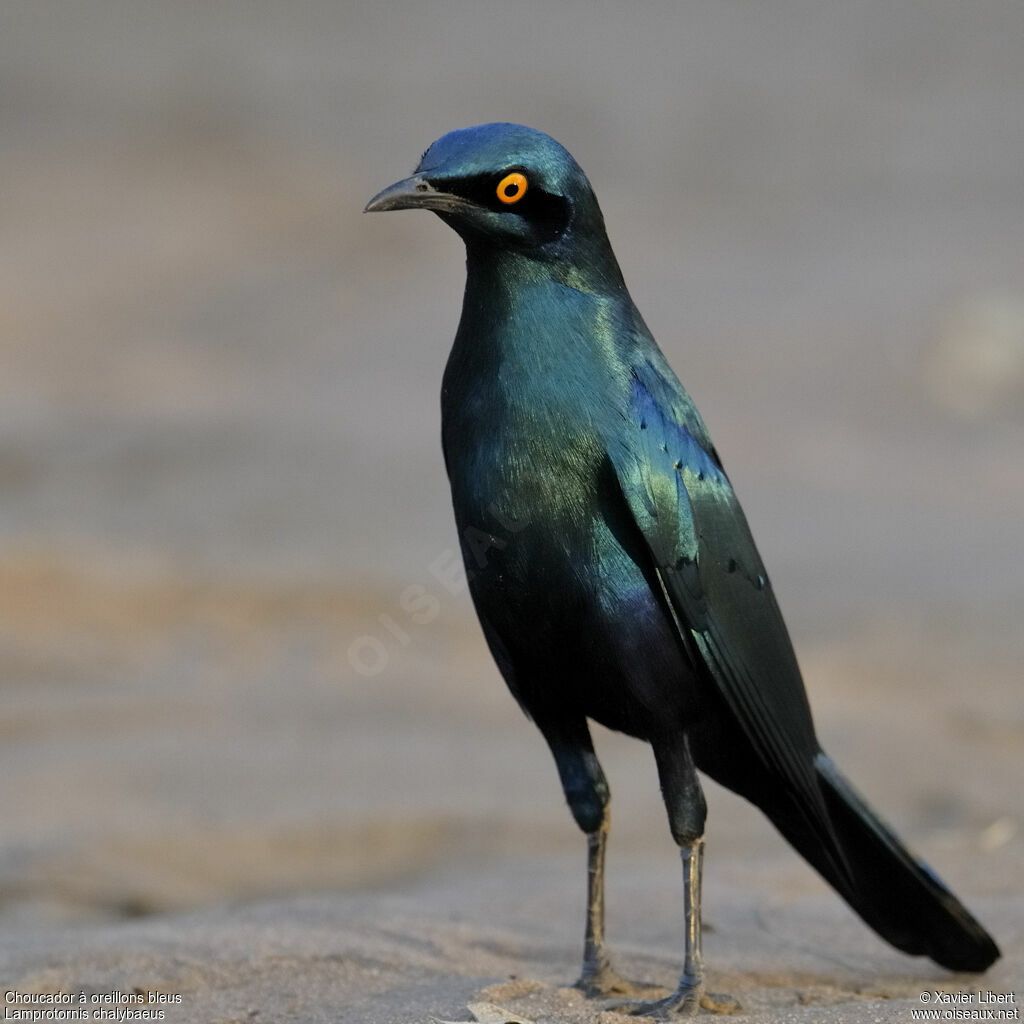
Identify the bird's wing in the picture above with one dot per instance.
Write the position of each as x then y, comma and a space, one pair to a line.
714, 582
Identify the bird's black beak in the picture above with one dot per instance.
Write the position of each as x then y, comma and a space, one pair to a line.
415, 193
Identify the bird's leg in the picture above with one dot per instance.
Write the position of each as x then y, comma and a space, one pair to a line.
687, 811
597, 976
586, 791
688, 993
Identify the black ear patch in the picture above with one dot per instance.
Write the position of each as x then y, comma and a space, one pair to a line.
547, 213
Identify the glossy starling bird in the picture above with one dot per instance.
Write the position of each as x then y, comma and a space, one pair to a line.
611, 565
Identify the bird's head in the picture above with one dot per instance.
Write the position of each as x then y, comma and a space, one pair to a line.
501, 185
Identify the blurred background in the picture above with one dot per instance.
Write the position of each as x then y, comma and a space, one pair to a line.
220, 468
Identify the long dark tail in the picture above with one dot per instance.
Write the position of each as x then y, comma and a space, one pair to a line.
892, 890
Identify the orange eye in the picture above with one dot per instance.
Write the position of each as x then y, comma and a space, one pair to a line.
512, 188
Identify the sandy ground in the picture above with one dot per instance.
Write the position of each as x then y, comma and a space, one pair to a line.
233, 768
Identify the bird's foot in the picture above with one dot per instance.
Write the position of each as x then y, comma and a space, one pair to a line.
689, 999
599, 980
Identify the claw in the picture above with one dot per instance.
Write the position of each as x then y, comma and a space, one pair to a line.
604, 982
686, 1001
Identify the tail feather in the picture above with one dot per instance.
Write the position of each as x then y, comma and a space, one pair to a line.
897, 894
